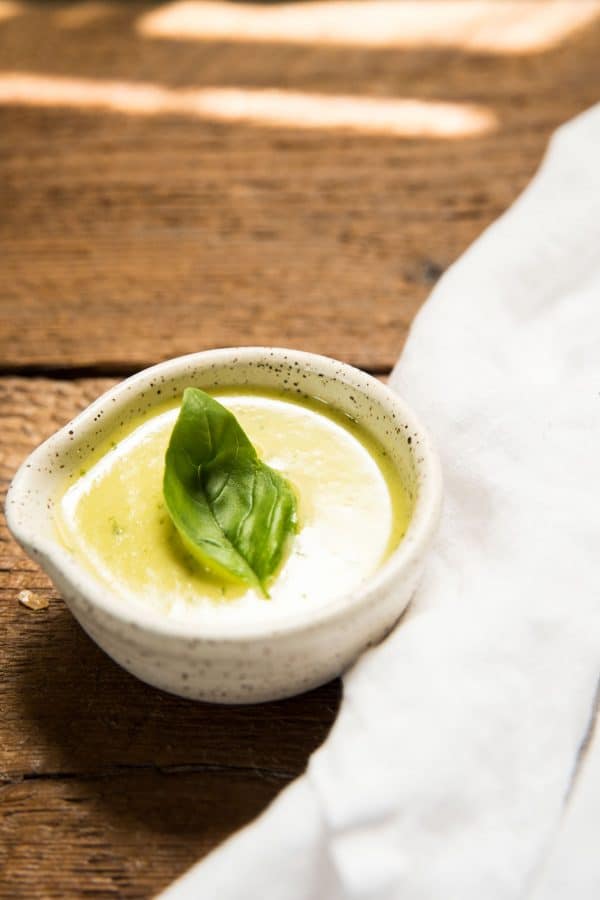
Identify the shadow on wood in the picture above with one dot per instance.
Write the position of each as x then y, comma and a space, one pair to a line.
79, 712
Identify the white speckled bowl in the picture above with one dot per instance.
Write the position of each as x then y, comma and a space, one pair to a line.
248, 662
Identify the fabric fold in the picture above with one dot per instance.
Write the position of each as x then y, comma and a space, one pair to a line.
447, 770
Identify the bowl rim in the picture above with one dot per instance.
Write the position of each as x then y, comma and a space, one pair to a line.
53, 557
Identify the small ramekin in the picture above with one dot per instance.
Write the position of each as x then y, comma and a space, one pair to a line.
246, 662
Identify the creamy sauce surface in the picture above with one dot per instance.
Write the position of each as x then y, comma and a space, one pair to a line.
353, 511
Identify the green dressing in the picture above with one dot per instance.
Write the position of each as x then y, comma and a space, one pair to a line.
352, 507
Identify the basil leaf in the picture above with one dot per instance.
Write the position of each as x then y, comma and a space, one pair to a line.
233, 513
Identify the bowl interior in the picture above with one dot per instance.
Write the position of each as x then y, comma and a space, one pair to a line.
45, 475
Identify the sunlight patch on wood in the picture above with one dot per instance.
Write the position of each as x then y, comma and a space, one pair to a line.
81, 15
510, 26
8, 9
403, 117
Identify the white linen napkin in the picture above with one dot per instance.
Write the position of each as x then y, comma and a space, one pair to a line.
446, 773
572, 869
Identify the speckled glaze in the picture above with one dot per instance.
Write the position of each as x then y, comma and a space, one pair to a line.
246, 663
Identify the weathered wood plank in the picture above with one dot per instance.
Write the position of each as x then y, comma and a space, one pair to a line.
66, 707
127, 240
124, 836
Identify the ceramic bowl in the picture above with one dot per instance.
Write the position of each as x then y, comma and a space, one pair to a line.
245, 662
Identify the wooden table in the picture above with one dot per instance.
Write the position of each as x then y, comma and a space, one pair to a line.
129, 238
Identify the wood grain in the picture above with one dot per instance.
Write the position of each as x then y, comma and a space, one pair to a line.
127, 240
119, 836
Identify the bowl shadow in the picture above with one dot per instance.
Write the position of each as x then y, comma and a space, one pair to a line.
155, 770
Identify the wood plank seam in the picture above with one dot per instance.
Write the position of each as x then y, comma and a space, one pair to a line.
180, 769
